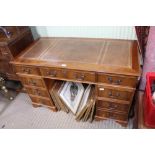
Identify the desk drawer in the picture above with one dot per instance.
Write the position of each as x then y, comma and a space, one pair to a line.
112, 115
27, 70
32, 81
37, 92
54, 72
42, 101
110, 105
114, 93
69, 74
82, 76
117, 80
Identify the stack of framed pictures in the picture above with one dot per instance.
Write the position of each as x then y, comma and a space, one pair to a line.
75, 97
87, 105
54, 92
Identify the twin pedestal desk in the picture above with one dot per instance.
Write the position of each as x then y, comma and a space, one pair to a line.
109, 64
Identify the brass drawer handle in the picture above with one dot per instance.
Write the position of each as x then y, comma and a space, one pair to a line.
79, 77
113, 107
28, 71
52, 73
33, 82
114, 96
117, 82
110, 94
64, 72
37, 92
110, 79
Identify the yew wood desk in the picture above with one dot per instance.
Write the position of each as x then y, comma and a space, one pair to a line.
111, 65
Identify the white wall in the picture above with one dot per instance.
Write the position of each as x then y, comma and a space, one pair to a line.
118, 32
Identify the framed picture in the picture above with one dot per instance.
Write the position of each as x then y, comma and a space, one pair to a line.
65, 94
84, 99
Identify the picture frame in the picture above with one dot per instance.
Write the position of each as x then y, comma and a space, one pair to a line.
65, 96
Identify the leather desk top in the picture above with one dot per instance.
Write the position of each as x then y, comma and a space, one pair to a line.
100, 55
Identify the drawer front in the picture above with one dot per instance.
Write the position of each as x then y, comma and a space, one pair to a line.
32, 81
37, 92
112, 115
27, 70
82, 76
117, 80
42, 101
53, 72
113, 106
69, 74
115, 94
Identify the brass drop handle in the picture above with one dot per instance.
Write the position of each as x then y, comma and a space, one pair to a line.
64, 72
28, 71
32, 82
117, 82
37, 92
111, 94
52, 73
113, 106
110, 79
79, 77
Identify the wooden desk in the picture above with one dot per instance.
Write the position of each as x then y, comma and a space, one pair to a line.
111, 65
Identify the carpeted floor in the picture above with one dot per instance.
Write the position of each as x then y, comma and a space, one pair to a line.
19, 114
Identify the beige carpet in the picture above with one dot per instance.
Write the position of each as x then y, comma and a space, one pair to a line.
20, 114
